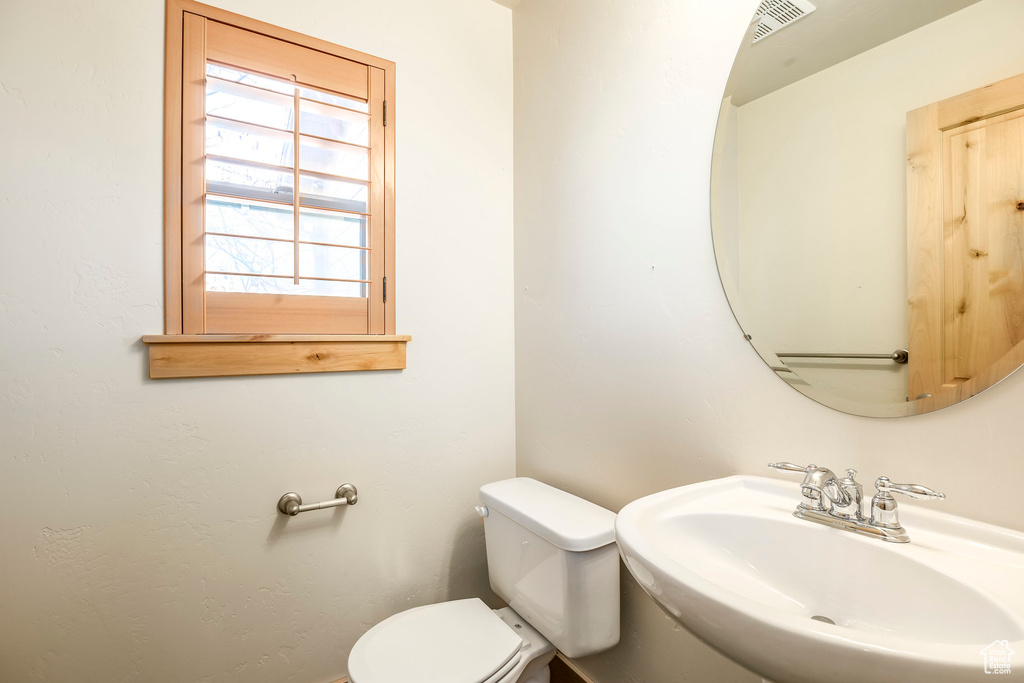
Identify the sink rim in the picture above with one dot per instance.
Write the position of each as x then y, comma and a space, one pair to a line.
933, 531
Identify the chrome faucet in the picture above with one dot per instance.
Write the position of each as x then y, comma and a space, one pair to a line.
820, 485
835, 502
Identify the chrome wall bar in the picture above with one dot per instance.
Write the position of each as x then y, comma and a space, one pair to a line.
900, 356
291, 502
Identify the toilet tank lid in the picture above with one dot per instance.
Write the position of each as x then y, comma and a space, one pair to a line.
562, 519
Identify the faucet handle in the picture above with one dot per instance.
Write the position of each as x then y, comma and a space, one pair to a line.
913, 490
790, 467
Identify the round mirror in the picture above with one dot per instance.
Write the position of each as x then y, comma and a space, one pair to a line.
868, 198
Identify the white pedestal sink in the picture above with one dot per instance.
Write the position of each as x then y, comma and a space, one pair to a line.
728, 561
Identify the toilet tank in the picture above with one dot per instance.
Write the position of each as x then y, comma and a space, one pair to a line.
552, 557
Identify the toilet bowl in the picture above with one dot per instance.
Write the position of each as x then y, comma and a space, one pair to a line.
462, 641
552, 557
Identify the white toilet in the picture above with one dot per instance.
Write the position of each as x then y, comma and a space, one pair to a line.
552, 557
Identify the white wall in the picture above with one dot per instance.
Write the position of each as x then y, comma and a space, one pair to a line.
822, 180
632, 379
140, 537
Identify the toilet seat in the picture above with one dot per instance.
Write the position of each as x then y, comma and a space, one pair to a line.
461, 641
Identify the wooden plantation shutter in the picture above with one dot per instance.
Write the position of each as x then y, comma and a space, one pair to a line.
283, 198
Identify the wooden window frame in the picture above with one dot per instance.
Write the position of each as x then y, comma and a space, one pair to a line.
177, 354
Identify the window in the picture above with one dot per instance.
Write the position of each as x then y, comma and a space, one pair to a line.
279, 202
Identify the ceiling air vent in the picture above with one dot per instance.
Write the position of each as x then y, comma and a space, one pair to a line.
777, 14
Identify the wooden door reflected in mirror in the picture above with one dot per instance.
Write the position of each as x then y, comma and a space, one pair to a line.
965, 199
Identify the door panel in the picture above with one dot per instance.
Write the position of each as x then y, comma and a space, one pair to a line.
977, 278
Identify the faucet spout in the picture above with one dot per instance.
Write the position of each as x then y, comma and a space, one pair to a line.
824, 482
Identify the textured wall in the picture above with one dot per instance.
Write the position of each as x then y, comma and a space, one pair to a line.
631, 374
140, 540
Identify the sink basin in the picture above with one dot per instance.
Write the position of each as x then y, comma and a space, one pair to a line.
798, 602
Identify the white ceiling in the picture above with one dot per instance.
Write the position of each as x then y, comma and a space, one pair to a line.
834, 32
511, 4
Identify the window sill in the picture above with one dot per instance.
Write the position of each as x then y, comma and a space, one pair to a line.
173, 356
